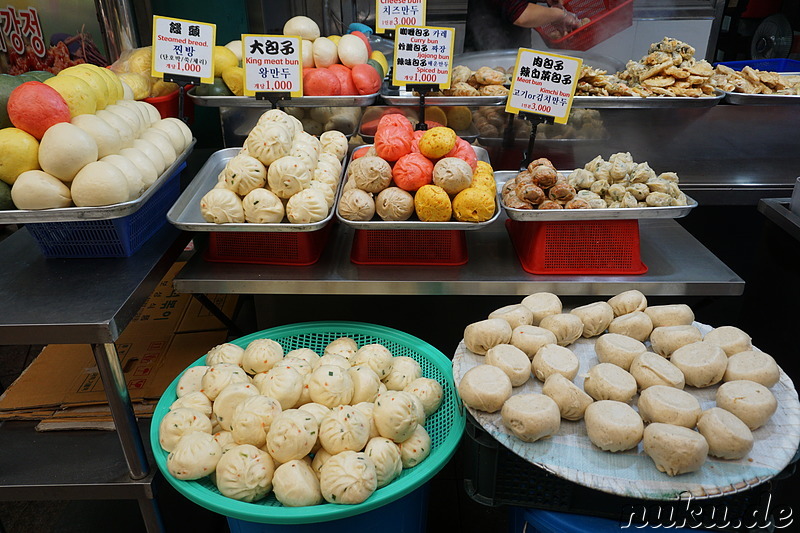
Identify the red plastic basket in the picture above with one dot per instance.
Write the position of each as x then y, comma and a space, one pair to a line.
409, 247
289, 248
577, 247
607, 18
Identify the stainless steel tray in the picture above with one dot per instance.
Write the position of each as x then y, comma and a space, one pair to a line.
482, 154
185, 213
650, 102
402, 96
303, 101
534, 215
106, 212
762, 99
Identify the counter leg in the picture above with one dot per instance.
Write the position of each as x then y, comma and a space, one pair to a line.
121, 409
151, 515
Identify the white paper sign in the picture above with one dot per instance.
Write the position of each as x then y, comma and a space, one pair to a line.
393, 13
423, 54
183, 48
272, 63
543, 83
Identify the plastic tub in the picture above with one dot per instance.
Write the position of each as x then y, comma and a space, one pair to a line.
541, 521
409, 247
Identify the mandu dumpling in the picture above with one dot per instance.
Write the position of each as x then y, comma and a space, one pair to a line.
243, 173
262, 206
306, 207
334, 142
288, 176
269, 142
222, 206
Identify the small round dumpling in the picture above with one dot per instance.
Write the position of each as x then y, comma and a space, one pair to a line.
651, 369
344, 346
571, 400
307, 206
531, 417
371, 174
306, 354
332, 160
515, 315
727, 436
395, 415
225, 353
191, 380
675, 450
635, 324
429, 391
334, 142
480, 336
452, 174
296, 485
356, 205
305, 152
703, 364
628, 302
416, 448
754, 366
404, 371
228, 399
607, 381
368, 408
530, 338
245, 473
327, 191
217, 377
670, 315
385, 454
195, 456
567, 327
511, 360
330, 386
292, 435
667, 339
281, 117
288, 176
252, 419
542, 304
375, 356
193, 400
262, 206
348, 478
620, 350
327, 175
269, 142
283, 383
669, 406
554, 359
751, 402
613, 426
331, 359
366, 384
301, 365
485, 388
243, 173
596, 317
179, 422
221, 206
261, 355
729, 338
393, 203
344, 428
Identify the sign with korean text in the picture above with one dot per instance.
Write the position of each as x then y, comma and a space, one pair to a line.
393, 13
423, 55
543, 83
272, 63
183, 48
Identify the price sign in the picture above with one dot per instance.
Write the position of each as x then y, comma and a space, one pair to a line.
184, 49
423, 54
544, 84
272, 63
393, 13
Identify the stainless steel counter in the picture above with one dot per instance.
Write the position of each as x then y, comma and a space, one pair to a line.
678, 265
777, 210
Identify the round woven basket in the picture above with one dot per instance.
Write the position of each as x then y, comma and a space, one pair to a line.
445, 426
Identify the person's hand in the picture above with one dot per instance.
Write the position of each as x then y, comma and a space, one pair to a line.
567, 23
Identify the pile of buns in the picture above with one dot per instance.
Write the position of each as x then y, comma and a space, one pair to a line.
312, 429
636, 392
282, 172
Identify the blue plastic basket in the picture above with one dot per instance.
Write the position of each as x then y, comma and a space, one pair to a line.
115, 237
772, 65
540, 521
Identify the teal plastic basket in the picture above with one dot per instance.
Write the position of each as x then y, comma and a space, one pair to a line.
445, 426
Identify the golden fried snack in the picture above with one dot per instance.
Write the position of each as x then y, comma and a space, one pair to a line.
461, 74
493, 90
489, 76
544, 176
562, 191
577, 203
542, 161
461, 89
550, 204
530, 193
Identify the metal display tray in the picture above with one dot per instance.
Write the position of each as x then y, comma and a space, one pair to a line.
764, 99
401, 96
649, 102
469, 135
106, 212
185, 213
483, 155
303, 101
534, 215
